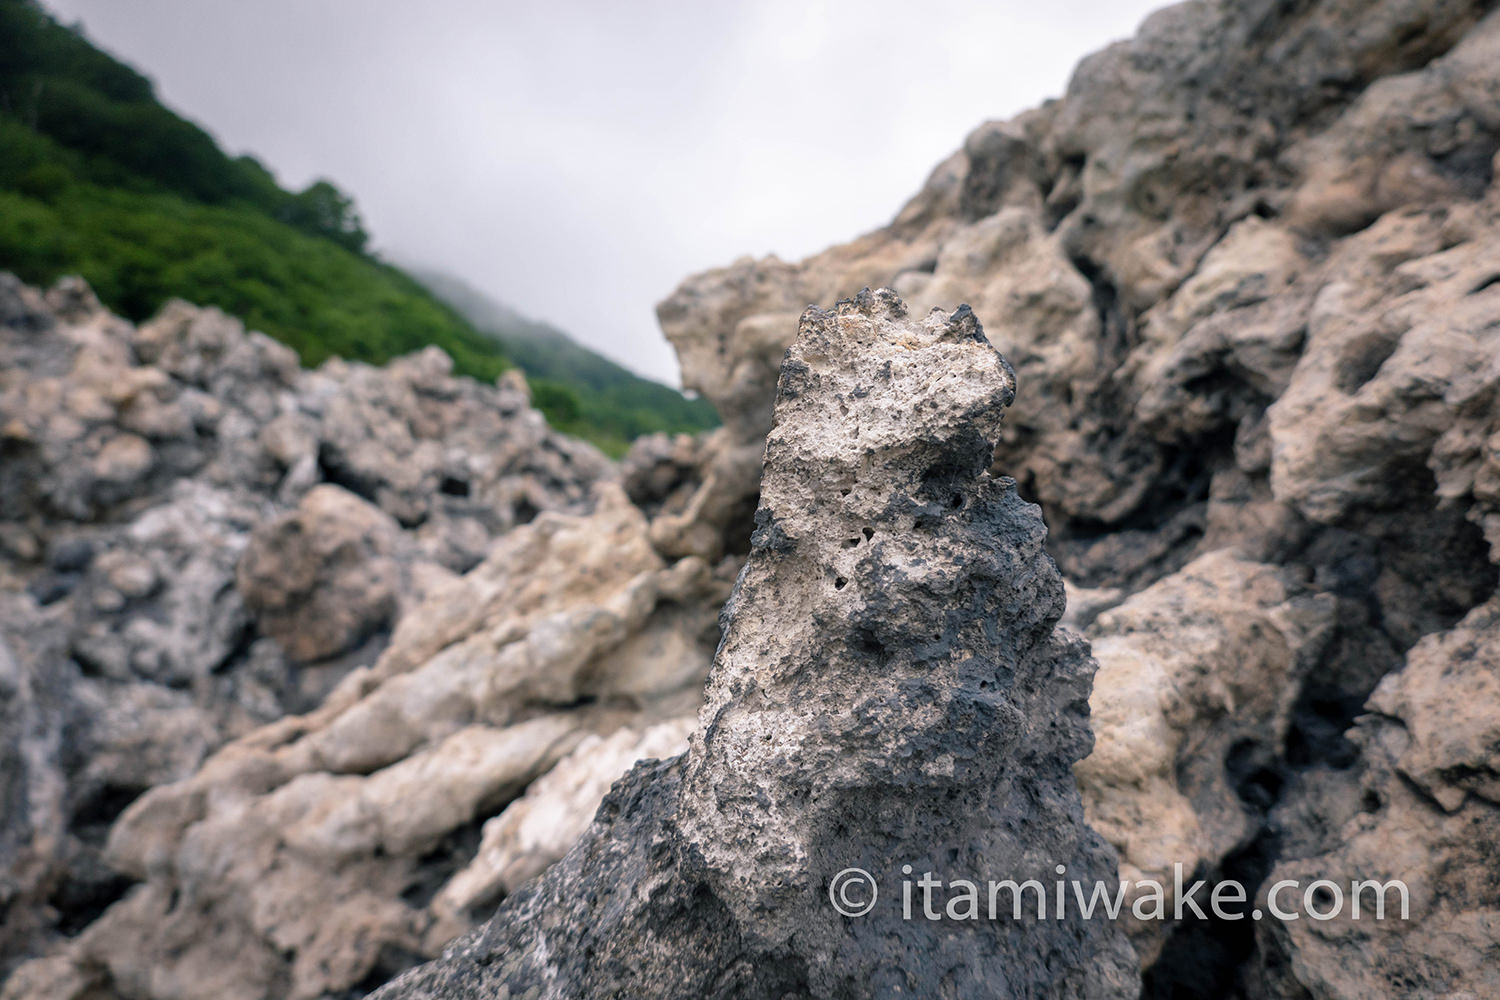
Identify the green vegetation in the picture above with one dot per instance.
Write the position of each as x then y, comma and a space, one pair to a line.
97, 178
610, 404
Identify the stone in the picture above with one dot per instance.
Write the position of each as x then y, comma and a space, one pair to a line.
538, 828
315, 845
888, 691
144, 467
460, 463
1244, 271
1444, 697
1198, 677
1423, 812
324, 577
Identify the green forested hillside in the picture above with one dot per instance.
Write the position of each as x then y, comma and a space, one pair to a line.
607, 394
98, 178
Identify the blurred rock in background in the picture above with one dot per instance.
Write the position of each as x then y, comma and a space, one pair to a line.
1246, 272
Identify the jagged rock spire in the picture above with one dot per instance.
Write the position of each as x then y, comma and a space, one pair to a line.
889, 692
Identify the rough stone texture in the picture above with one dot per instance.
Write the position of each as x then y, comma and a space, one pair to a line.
1130, 244
888, 691
312, 847
99, 417
1425, 810
1245, 270
467, 461
538, 828
322, 578
154, 603
1198, 678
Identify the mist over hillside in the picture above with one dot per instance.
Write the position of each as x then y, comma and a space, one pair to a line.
1125, 512
99, 179
608, 395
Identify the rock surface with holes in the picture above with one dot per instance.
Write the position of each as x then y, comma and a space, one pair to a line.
314, 846
1245, 271
182, 558
889, 691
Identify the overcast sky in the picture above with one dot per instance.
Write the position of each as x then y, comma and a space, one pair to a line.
577, 158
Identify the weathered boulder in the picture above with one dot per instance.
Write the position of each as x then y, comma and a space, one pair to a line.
1423, 809
1198, 677
149, 483
538, 828
889, 692
314, 846
126, 679
99, 418
1245, 269
1129, 242
460, 463
321, 579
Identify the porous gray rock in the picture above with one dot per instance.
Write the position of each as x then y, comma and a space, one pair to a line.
889, 691
140, 469
320, 847
1245, 269
321, 579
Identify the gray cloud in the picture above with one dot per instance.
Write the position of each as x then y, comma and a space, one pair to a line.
577, 158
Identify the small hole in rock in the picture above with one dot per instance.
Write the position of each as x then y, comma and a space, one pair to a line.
525, 511
838, 583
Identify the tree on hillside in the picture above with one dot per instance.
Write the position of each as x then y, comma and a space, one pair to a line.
324, 210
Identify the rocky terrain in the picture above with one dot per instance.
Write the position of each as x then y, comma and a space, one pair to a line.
889, 689
304, 672
1248, 273
200, 538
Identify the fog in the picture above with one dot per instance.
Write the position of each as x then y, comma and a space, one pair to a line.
576, 160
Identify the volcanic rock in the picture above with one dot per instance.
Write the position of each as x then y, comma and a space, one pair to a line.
158, 577
889, 691
321, 579
1245, 270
